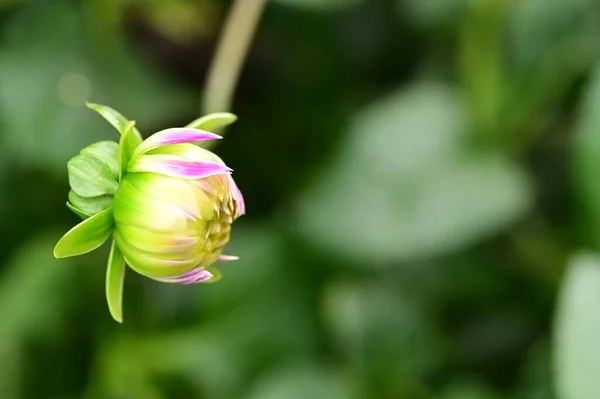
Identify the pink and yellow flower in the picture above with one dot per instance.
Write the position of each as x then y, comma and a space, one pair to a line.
168, 203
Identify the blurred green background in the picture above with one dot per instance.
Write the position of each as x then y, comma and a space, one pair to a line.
423, 188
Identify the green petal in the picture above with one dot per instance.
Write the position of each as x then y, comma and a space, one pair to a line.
78, 211
213, 121
113, 117
129, 142
86, 236
115, 277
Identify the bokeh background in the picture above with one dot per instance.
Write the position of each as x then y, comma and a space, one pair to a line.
423, 188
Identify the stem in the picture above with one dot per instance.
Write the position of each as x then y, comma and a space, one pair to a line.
231, 51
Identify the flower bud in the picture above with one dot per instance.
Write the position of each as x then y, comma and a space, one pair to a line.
174, 208
168, 203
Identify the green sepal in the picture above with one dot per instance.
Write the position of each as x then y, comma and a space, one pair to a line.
86, 236
115, 277
78, 211
217, 275
90, 205
127, 145
107, 151
213, 121
90, 176
113, 117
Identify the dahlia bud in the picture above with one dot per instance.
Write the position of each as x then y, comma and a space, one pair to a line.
168, 203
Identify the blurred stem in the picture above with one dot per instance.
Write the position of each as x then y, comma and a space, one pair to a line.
482, 64
231, 51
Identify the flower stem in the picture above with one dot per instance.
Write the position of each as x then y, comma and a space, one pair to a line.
240, 26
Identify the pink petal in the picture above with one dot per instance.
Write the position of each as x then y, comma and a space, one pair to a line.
239, 199
174, 166
174, 136
227, 258
198, 275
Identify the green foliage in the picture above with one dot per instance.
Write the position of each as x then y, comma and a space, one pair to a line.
418, 175
405, 177
577, 354
115, 277
327, 5
86, 236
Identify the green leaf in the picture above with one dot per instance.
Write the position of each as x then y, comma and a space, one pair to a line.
577, 338
90, 176
113, 117
115, 276
78, 211
90, 205
86, 236
213, 121
107, 151
129, 142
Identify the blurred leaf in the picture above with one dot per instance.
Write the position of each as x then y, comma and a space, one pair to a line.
430, 13
303, 381
538, 25
182, 21
326, 5
576, 337
553, 44
483, 65
586, 158
405, 187
470, 389
384, 336
213, 121
34, 293
50, 65
537, 375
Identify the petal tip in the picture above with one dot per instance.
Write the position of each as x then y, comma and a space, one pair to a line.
227, 258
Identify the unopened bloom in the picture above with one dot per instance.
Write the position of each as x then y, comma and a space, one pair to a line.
168, 203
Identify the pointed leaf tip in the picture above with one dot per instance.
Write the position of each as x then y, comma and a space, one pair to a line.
78, 211
86, 236
213, 121
127, 145
113, 117
115, 277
